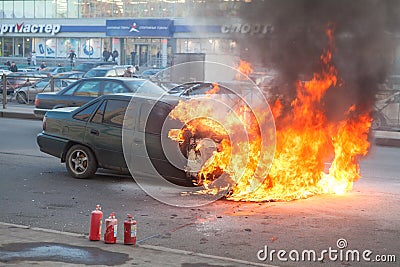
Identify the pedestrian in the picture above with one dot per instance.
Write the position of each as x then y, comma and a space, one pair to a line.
33, 57
115, 55
128, 72
106, 55
13, 67
72, 57
43, 65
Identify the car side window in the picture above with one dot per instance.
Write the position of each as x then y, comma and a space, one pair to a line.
111, 73
98, 116
114, 88
85, 113
114, 112
155, 120
88, 88
200, 89
72, 89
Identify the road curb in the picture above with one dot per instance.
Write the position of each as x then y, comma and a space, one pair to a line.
18, 115
149, 247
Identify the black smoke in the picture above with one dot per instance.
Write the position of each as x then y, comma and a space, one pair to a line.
364, 40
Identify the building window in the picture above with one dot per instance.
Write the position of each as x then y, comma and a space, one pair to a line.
8, 46
40, 9
61, 8
29, 9
73, 8
8, 9
50, 7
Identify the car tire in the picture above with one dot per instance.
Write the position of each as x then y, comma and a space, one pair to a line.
21, 98
81, 163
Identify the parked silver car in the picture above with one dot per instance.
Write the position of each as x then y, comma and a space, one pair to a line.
28, 93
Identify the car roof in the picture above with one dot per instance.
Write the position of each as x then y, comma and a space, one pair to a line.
169, 99
102, 67
116, 78
69, 72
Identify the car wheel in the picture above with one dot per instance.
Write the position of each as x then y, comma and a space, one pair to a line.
80, 162
21, 98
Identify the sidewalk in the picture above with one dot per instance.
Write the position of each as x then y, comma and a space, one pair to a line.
18, 111
24, 246
23, 111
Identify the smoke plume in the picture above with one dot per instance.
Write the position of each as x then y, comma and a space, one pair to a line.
364, 44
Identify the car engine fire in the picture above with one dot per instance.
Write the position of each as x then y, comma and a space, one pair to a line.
306, 139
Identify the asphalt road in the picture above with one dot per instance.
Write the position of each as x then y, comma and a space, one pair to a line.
36, 190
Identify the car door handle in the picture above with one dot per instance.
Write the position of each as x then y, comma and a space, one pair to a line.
94, 131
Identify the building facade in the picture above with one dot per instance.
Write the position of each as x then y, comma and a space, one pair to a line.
146, 33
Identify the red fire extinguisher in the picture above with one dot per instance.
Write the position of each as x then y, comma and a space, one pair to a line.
110, 236
129, 230
95, 224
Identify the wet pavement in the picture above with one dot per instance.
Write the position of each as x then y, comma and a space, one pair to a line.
24, 246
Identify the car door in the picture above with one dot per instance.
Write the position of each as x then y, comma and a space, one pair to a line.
104, 133
146, 143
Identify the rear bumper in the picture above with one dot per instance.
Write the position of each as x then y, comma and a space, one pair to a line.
51, 145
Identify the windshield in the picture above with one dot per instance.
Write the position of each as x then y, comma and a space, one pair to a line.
42, 83
95, 73
48, 69
83, 67
145, 87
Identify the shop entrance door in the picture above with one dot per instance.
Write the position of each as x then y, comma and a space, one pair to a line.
142, 54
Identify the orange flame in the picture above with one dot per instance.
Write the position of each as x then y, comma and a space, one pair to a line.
306, 140
244, 69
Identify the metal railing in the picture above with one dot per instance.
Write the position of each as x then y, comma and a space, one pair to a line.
11, 87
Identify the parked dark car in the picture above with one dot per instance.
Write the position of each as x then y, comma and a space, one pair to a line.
94, 138
84, 90
103, 71
150, 72
197, 88
86, 66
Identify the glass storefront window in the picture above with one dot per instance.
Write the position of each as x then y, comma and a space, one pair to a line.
90, 48
27, 47
18, 47
8, 46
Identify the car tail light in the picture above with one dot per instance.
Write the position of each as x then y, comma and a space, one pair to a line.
44, 124
37, 101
